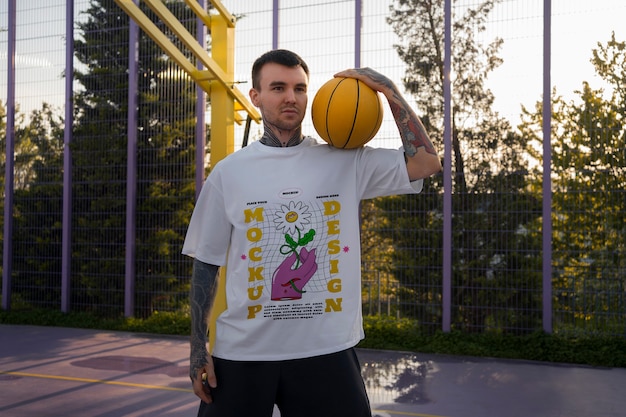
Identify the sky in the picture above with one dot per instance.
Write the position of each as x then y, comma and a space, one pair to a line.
322, 32
577, 27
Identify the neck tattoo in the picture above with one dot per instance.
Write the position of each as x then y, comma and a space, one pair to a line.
270, 139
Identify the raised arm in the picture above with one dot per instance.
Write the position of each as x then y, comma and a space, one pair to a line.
201, 297
421, 156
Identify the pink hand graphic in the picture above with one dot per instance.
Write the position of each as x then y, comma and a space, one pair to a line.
288, 283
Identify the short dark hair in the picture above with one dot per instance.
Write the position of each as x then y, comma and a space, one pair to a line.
276, 56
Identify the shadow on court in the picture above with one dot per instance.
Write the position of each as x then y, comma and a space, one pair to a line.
62, 372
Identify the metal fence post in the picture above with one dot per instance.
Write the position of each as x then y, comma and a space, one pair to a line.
275, 23
131, 173
447, 172
66, 244
358, 19
7, 243
547, 159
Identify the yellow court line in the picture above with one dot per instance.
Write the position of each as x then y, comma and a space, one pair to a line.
160, 387
406, 413
95, 381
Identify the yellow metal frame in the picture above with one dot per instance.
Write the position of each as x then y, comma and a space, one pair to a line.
216, 80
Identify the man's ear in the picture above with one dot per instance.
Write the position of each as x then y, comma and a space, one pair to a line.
254, 97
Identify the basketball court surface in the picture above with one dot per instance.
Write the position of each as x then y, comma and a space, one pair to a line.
62, 372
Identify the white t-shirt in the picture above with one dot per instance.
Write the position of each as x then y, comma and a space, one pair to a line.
287, 222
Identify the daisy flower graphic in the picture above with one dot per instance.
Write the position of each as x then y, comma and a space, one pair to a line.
292, 218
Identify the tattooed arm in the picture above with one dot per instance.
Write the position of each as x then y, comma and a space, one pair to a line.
421, 156
201, 297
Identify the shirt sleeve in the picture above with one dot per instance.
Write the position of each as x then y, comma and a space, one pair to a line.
382, 172
210, 228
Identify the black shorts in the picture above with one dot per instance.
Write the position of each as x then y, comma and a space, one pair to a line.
328, 385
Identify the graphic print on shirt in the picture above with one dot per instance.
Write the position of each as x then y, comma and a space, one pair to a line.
293, 258
298, 267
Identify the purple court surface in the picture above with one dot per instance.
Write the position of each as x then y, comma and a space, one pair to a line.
62, 372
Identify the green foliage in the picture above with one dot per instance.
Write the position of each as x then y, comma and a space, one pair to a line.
381, 333
45, 317
493, 257
165, 323
588, 179
496, 202
165, 169
407, 335
99, 156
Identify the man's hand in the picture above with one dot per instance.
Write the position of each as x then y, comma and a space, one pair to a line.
288, 283
203, 381
371, 78
421, 156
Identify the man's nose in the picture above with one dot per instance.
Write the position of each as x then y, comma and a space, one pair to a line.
290, 96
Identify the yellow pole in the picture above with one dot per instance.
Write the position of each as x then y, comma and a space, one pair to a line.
217, 79
222, 128
222, 103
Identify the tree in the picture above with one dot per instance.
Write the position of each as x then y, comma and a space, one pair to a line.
165, 164
588, 179
490, 204
37, 235
477, 129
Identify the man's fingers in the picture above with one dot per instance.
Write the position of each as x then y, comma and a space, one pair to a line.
371, 78
202, 390
210, 379
203, 383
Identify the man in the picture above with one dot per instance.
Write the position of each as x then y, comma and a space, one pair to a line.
282, 215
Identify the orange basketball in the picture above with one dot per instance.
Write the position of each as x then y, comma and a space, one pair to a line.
346, 113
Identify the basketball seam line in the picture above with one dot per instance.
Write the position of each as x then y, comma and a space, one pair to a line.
327, 112
356, 113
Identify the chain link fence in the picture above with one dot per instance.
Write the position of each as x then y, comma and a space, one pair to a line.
472, 251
